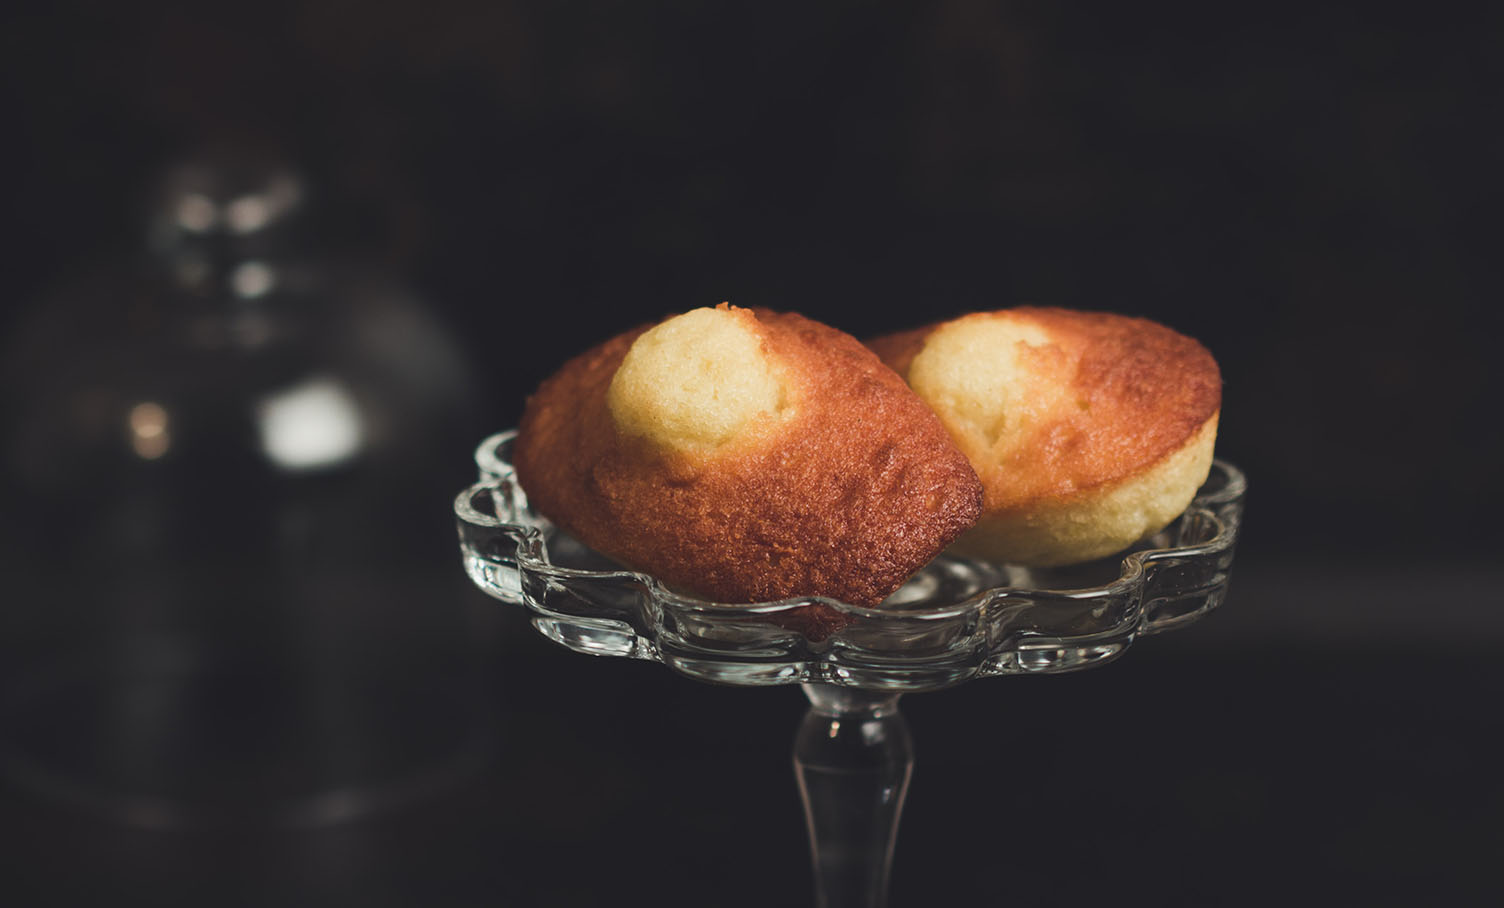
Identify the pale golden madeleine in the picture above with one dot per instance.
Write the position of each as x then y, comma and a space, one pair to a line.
746, 455
1090, 431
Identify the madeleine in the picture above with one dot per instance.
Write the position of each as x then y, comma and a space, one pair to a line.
746, 456
1089, 431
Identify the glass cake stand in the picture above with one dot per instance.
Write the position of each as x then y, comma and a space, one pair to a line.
954, 621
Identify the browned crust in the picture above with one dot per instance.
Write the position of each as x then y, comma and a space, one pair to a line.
1139, 392
859, 489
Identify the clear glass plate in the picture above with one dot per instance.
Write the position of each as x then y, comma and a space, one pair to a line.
954, 620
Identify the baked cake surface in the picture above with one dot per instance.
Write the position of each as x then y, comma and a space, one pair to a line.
1089, 430
745, 456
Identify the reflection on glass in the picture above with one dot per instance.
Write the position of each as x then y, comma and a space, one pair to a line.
197, 213
148, 426
312, 425
251, 280
250, 213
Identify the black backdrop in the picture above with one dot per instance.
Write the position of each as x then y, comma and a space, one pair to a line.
1309, 191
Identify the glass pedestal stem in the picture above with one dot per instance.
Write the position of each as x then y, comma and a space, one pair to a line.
853, 758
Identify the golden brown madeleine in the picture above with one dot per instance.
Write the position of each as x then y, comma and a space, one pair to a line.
1089, 430
746, 456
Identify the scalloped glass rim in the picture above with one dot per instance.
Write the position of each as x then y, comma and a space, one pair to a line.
956, 618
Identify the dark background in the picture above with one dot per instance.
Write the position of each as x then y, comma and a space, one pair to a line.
1309, 191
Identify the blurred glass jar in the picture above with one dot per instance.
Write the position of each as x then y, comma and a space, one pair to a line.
223, 463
